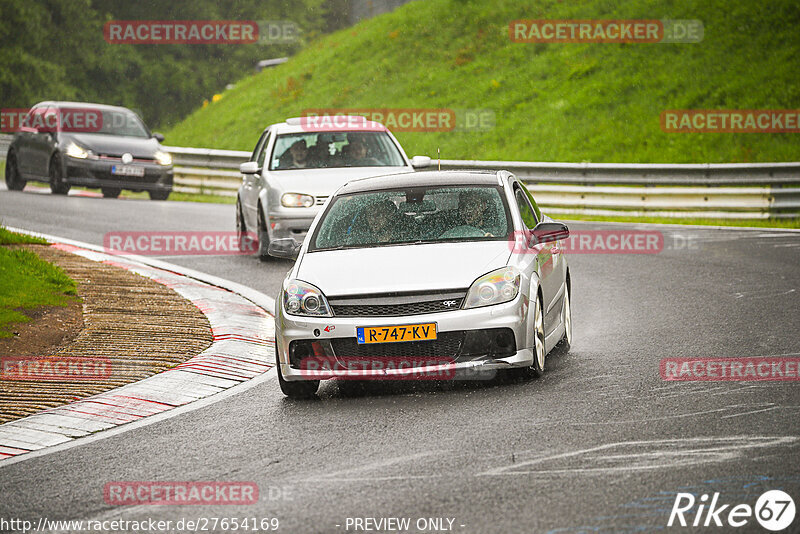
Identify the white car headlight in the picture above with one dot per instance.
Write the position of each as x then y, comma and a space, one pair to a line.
76, 151
495, 287
162, 158
297, 200
300, 298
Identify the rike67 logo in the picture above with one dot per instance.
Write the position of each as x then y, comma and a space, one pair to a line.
774, 510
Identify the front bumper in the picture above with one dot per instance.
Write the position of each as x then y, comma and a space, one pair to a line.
290, 222
294, 227
97, 173
511, 316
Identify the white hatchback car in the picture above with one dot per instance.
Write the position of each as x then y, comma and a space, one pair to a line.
422, 276
295, 167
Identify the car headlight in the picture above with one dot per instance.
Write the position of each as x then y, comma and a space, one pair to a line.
495, 287
162, 158
300, 298
297, 200
76, 151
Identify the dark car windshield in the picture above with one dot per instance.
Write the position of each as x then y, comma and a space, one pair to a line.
124, 123
334, 149
418, 215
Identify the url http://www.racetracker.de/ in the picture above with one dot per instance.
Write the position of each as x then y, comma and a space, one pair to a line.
199, 524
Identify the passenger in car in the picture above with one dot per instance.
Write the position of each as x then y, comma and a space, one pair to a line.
318, 156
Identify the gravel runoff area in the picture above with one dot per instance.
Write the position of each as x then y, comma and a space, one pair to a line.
139, 326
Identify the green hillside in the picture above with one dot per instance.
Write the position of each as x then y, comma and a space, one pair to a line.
552, 101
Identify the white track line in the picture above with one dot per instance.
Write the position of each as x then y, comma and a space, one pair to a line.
215, 374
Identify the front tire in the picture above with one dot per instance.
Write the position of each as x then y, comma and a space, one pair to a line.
14, 181
566, 316
263, 238
305, 389
242, 237
536, 369
540, 352
159, 195
58, 186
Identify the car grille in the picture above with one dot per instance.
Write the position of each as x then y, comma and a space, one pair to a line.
115, 158
447, 345
320, 200
397, 305
388, 310
149, 177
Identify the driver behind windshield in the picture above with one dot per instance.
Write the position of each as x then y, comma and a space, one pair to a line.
381, 220
474, 210
357, 155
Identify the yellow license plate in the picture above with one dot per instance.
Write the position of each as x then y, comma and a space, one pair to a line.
396, 334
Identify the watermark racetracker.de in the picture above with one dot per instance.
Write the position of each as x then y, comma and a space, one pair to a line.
378, 368
180, 243
593, 242
200, 32
606, 31
51, 120
731, 120
398, 119
278, 32
616, 241
54, 368
136, 493
766, 368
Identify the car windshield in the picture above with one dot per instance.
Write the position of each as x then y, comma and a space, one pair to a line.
124, 123
418, 215
334, 149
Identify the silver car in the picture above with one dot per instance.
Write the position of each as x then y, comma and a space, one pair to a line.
295, 167
429, 275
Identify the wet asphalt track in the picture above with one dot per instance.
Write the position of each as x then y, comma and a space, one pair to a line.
599, 444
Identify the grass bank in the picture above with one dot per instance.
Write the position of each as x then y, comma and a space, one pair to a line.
28, 282
551, 101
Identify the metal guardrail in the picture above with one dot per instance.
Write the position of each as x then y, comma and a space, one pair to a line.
736, 190
691, 174
706, 190
5, 140
207, 171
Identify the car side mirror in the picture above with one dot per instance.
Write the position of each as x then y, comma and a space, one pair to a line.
158, 137
286, 248
545, 232
419, 162
249, 167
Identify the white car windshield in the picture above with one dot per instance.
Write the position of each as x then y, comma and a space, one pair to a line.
418, 215
334, 149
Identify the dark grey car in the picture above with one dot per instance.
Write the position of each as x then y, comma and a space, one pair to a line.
90, 145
